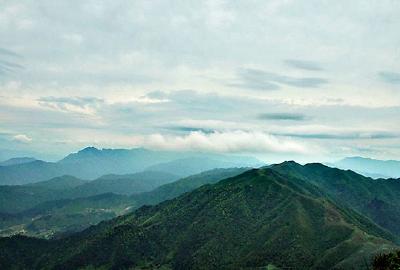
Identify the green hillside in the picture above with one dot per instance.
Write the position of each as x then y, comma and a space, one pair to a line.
14, 199
19, 198
123, 184
377, 199
57, 217
257, 219
59, 183
172, 190
387, 261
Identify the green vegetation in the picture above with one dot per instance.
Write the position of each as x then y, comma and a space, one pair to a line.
15, 199
258, 219
378, 199
388, 261
172, 190
53, 218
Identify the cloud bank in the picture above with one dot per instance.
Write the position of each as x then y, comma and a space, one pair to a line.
225, 142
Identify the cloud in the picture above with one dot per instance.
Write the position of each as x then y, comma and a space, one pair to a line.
282, 116
73, 38
390, 77
22, 138
8, 63
302, 64
343, 136
254, 79
83, 105
262, 80
9, 67
188, 129
225, 142
84, 50
9, 53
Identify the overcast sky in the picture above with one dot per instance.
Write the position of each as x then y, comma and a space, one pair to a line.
279, 79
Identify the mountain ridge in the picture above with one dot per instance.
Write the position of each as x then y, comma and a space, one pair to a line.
258, 218
91, 163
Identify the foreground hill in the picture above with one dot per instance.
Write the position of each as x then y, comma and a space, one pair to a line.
388, 261
257, 219
91, 163
377, 199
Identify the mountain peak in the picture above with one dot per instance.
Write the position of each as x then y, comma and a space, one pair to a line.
89, 149
290, 162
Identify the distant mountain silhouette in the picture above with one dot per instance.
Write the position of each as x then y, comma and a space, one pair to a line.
371, 167
16, 161
91, 163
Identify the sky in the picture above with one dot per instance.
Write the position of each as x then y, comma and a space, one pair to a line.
309, 80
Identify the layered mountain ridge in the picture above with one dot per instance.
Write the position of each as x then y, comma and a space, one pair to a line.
91, 163
261, 218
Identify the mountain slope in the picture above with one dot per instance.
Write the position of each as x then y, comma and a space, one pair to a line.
59, 183
122, 184
30, 172
377, 199
55, 217
16, 161
17, 198
172, 190
256, 219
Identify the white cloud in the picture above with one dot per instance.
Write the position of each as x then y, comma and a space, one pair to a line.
73, 38
226, 142
82, 49
22, 138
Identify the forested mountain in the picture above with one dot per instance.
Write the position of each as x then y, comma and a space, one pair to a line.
260, 218
377, 199
45, 214
18, 198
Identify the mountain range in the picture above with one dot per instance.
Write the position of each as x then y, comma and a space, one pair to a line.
54, 207
91, 163
16, 161
18, 198
371, 167
280, 216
